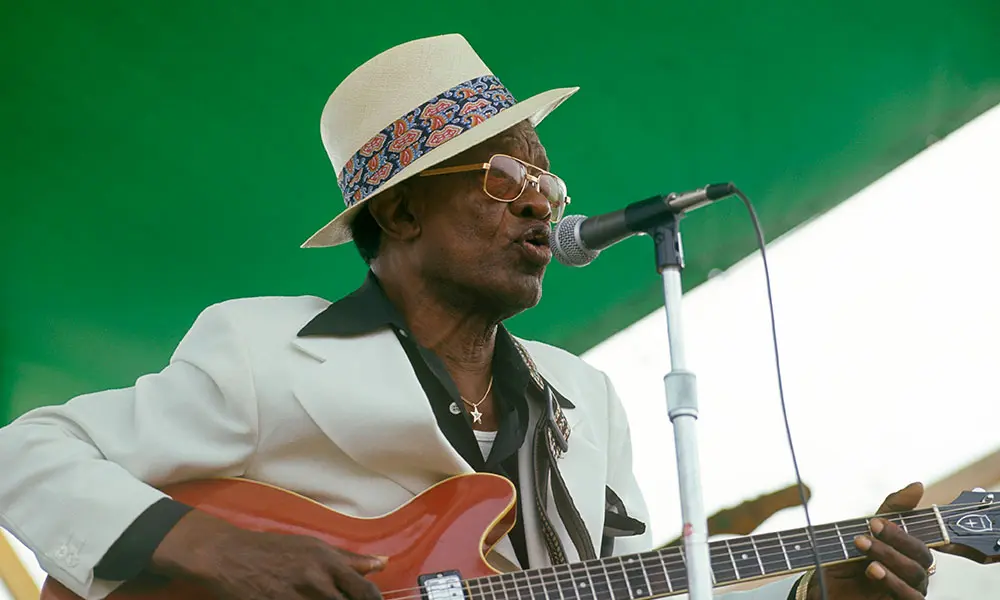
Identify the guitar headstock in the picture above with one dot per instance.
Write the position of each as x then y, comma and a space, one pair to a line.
973, 522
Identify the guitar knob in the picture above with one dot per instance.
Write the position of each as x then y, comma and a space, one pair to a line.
978, 490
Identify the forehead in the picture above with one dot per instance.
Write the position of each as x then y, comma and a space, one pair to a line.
519, 141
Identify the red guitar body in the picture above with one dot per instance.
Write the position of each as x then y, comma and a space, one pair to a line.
450, 526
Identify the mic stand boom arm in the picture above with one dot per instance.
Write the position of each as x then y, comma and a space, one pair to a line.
682, 408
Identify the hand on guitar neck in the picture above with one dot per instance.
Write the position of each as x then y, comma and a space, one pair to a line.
897, 564
236, 563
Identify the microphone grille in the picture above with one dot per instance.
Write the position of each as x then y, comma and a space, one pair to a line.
566, 244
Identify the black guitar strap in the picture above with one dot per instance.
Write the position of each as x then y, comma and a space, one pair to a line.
550, 441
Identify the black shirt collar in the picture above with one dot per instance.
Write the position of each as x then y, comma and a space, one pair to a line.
362, 311
368, 309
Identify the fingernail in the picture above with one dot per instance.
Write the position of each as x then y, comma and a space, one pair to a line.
381, 559
876, 525
863, 543
876, 571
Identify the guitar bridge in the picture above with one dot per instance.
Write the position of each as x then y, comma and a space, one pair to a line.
442, 586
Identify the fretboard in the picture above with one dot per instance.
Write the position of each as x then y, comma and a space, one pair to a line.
663, 572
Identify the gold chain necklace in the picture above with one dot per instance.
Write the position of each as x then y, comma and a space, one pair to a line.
477, 417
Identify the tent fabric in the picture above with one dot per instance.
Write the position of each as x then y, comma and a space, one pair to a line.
162, 157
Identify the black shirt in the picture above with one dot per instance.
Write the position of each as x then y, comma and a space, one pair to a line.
365, 311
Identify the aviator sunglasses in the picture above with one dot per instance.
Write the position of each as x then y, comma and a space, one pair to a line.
507, 177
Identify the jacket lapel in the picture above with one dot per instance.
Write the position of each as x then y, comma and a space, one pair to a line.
362, 392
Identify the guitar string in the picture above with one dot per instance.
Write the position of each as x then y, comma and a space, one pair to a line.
526, 580
660, 560
538, 582
925, 521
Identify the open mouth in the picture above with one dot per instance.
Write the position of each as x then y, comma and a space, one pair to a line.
535, 243
537, 236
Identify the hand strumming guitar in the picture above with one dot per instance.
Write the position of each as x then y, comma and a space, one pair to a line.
899, 563
236, 563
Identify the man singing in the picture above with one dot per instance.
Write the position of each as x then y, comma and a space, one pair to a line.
363, 403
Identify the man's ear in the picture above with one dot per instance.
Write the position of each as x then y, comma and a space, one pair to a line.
392, 209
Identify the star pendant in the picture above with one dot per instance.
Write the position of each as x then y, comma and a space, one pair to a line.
477, 417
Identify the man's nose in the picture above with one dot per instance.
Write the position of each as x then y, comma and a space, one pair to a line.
531, 204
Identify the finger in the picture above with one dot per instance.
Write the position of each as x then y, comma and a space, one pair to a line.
893, 584
320, 585
351, 582
905, 499
356, 587
363, 563
909, 546
906, 569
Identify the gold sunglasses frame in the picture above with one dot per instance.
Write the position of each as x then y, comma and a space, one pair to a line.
528, 177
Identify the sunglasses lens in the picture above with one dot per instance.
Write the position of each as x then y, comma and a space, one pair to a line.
505, 178
554, 190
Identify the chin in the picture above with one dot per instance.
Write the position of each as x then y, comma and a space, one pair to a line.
520, 292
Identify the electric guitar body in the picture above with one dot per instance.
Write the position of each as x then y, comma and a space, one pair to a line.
449, 527
437, 542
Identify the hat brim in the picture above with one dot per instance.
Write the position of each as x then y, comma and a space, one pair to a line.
534, 109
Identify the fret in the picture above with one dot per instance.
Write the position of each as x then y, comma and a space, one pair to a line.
477, 589
745, 558
597, 575
850, 530
732, 559
550, 584
673, 570
584, 584
656, 573
922, 525
683, 582
902, 523
617, 580
756, 552
521, 586
566, 582
798, 549
770, 553
640, 564
781, 543
488, 582
645, 575
510, 587
532, 583
722, 562
635, 577
840, 537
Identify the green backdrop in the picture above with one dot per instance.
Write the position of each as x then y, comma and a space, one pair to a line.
161, 156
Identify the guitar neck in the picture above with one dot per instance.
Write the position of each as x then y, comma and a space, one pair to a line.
663, 572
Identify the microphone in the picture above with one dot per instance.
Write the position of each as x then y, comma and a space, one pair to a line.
579, 239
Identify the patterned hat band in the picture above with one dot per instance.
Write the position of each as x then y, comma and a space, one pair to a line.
419, 131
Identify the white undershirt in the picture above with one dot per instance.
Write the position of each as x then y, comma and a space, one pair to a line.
485, 439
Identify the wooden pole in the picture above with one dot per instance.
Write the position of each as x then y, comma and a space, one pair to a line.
14, 575
983, 473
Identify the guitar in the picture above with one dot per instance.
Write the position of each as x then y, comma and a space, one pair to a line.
436, 544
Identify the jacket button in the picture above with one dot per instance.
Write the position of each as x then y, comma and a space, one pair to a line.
455, 410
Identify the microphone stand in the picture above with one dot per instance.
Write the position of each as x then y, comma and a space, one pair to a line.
682, 408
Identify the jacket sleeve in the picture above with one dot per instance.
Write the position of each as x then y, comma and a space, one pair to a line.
621, 479
74, 477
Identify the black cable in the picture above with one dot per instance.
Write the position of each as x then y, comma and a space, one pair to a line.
781, 392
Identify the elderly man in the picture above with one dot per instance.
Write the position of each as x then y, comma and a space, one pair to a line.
363, 403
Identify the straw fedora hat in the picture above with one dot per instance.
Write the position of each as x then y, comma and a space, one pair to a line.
409, 108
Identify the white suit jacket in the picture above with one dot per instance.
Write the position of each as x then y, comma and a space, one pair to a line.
334, 419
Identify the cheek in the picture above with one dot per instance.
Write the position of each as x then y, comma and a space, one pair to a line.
477, 226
